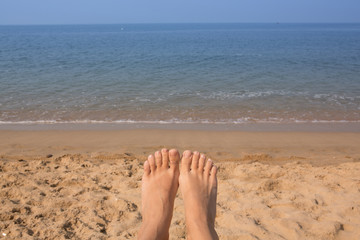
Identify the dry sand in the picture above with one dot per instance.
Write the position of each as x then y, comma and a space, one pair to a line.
271, 185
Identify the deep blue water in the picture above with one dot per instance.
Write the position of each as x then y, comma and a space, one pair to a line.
180, 73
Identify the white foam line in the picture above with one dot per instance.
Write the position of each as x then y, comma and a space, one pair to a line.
174, 122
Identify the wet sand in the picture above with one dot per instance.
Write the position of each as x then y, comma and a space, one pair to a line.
86, 184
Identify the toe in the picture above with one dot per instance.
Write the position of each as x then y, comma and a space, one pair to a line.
213, 179
146, 168
195, 160
207, 168
202, 162
158, 159
165, 157
186, 161
151, 161
174, 159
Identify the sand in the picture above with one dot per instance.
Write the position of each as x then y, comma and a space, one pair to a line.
86, 184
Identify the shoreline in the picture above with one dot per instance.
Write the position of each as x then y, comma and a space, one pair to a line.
245, 127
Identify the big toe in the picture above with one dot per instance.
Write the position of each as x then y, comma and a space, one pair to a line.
174, 158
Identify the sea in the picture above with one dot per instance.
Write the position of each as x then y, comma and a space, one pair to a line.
180, 73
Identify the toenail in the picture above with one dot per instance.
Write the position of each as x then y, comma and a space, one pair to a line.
202, 156
173, 152
187, 153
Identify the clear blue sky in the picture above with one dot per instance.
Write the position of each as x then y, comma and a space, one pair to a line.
176, 11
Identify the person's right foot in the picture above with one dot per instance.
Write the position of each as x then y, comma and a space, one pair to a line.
198, 184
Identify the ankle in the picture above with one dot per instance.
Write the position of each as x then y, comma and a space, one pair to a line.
152, 232
201, 229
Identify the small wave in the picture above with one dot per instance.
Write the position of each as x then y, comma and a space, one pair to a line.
334, 97
222, 95
142, 99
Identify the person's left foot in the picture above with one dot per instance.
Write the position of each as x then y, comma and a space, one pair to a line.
160, 183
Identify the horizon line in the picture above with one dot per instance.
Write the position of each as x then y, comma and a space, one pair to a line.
154, 23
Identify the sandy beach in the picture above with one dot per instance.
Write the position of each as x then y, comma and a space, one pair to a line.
86, 184
264, 95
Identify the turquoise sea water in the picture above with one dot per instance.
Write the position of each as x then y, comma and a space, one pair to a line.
217, 73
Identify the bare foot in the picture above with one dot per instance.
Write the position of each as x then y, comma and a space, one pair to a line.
198, 186
160, 183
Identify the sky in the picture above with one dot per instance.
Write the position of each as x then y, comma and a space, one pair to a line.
176, 11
